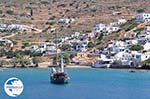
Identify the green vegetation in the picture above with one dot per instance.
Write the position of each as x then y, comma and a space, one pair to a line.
1, 12
62, 5
20, 61
1, 44
36, 60
34, 54
25, 44
136, 48
91, 44
65, 47
146, 61
11, 53
45, 2
28, 7
129, 25
3, 62
10, 12
67, 57
99, 40
139, 30
141, 10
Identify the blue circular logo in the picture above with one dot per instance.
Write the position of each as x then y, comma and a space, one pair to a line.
13, 87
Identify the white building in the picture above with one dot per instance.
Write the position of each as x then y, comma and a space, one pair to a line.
143, 17
107, 29
78, 45
131, 42
147, 46
46, 48
119, 22
34, 48
7, 43
66, 20
100, 27
131, 58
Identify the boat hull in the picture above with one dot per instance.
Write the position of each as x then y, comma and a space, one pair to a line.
59, 78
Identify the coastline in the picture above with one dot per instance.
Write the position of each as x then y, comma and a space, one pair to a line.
46, 65
72, 67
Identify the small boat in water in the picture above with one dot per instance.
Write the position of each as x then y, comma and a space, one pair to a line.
58, 75
132, 71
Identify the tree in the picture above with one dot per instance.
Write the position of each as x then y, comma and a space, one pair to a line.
1, 12
65, 47
20, 61
136, 48
91, 44
14, 62
36, 60
99, 40
66, 57
146, 61
24, 61
1, 63
9, 54
36, 53
10, 12
25, 44
141, 10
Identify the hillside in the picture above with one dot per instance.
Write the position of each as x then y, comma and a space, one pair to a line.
46, 13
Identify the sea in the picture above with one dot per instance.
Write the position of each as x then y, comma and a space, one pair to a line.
83, 84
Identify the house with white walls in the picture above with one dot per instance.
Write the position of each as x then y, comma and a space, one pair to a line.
7, 43
131, 42
78, 45
107, 29
99, 27
46, 48
66, 20
147, 46
119, 22
143, 17
131, 58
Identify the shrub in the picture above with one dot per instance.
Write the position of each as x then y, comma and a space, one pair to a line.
91, 44
136, 48
10, 12
1, 12
141, 10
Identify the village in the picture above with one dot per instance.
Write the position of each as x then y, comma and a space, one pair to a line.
85, 49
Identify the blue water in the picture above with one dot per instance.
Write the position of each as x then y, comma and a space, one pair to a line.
84, 84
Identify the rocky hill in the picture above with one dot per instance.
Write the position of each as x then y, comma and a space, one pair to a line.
44, 14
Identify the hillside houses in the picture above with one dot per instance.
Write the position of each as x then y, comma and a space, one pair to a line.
45, 48
143, 17
106, 29
79, 46
8, 44
119, 22
66, 21
12, 27
130, 58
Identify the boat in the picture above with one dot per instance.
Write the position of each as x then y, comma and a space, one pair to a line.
102, 63
132, 71
58, 75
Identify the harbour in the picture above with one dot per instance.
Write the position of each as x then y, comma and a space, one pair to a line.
86, 83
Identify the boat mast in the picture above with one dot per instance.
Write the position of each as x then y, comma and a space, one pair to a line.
62, 64
56, 36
